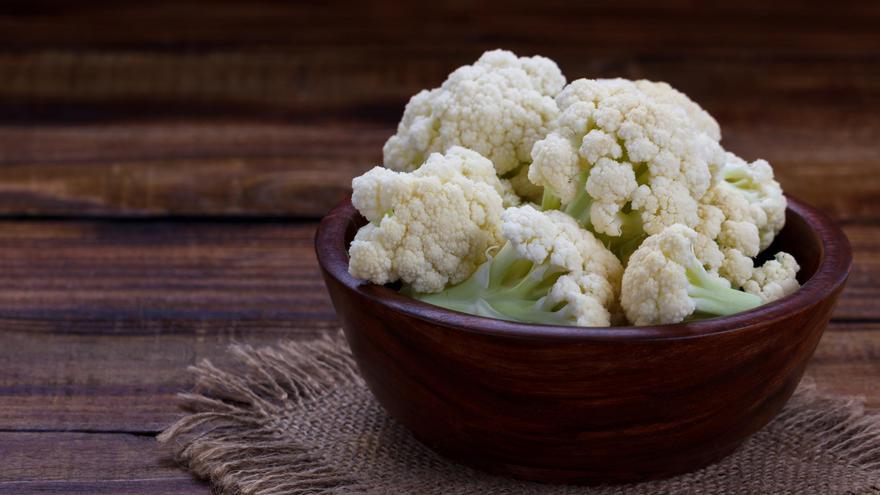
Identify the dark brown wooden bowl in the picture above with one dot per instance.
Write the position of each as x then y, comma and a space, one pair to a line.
585, 405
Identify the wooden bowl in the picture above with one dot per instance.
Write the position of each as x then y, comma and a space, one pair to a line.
585, 405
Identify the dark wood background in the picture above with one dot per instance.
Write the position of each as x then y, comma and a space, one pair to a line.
163, 165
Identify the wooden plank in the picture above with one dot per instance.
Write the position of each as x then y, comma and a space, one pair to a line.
859, 299
316, 61
89, 463
797, 88
183, 169
829, 159
118, 382
846, 362
102, 317
335, 84
134, 486
632, 27
372, 83
125, 379
131, 271
125, 270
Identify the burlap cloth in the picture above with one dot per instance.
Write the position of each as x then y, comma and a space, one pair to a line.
296, 418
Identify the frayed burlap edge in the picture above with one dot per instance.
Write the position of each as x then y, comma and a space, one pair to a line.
232, 436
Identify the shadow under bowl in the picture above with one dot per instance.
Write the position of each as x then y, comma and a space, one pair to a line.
585, 405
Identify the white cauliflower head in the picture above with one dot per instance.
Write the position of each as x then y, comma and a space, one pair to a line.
754, 183
774, 279
673, 274
587, 299
430, 227
499, 107
663, 92
548, 271
623, 161
553, 237
587, 294
742, 212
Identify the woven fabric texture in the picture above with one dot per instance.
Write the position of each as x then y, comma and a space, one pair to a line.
296, 418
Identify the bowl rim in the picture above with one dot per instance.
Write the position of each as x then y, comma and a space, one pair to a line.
835, 261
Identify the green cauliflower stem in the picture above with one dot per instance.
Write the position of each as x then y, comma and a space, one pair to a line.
673, 276
631, 226
713, 296
505, 287
548, 270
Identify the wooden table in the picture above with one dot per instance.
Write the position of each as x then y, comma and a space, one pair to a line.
163, 165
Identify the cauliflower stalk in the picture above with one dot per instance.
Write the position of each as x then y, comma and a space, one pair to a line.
673, 275
430, 227
548, 271
626, 161
498, 107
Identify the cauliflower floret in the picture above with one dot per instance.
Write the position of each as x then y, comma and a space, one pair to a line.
584, 298
737, 214
742, 236
549, 271
711, 218
736, 268
663, 92
556, 238
626, 162
430, 227
774, 279
754, 183
499, 107
559, 151
672, 275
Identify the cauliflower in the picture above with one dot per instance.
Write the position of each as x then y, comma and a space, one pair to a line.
643, 215
664, 93
673, 275
626, 159
774, 279
755, 183
549, 271
523, 187
499, 107
430, 227
743, 212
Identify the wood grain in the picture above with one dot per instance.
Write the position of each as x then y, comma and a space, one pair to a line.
28, 452
183, 169
216, 117
118, 382
140, 269
828, 159
267, 109
82, 271
89, 463
618, 28
846, 361
101, 319
131, 486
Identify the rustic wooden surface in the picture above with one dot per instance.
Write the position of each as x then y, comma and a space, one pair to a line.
162, 166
